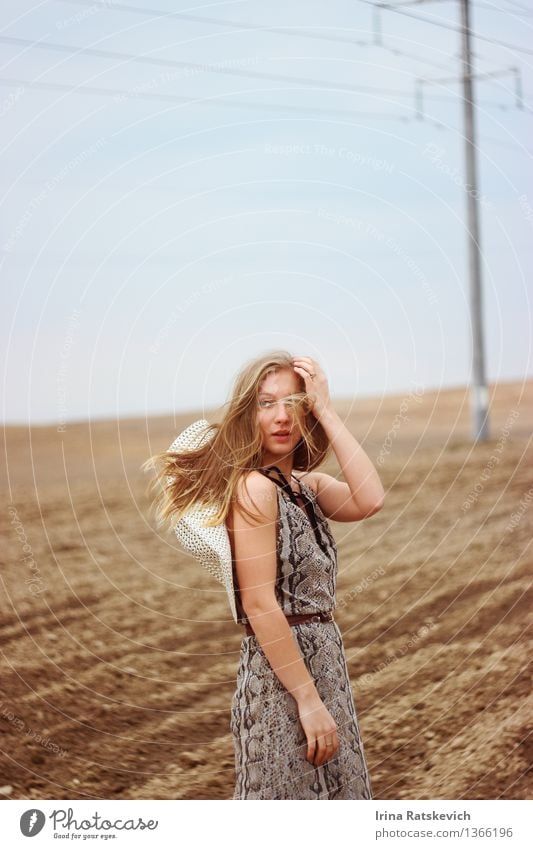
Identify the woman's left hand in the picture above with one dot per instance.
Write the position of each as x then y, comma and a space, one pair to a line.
316, 384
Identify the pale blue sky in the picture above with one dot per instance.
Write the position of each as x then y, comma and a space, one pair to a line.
151, 245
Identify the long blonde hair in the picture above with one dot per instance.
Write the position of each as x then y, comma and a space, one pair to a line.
210, 474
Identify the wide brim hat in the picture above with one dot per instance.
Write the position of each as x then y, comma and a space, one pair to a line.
209, 546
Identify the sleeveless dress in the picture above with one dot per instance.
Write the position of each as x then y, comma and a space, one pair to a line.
268, 738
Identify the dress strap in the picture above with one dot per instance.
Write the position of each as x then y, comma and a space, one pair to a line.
284, 483
280, 479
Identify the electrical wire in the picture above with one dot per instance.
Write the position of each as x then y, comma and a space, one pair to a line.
306, 33
197, 68
124, 94
132, 94
518, 6
484, 5
386, 7
296, 32
137, 92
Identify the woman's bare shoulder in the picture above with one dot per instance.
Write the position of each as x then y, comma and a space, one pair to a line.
256, 491
310, 479
254, 483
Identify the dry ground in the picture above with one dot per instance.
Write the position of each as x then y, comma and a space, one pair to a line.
119, 657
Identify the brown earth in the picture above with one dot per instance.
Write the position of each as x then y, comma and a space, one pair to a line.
119, 656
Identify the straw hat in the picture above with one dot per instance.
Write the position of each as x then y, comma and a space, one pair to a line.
210, 546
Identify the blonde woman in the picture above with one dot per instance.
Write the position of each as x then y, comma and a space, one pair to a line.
293, 720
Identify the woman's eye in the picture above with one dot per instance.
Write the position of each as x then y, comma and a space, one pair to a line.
291, 401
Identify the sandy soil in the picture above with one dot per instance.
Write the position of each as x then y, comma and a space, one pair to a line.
119, 654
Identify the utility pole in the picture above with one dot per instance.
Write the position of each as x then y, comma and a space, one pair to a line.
479, 394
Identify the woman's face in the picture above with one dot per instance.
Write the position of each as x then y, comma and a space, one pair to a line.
277, 422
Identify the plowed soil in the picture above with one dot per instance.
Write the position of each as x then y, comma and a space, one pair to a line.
119, 655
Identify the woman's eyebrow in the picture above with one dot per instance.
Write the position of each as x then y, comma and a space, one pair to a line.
270, 395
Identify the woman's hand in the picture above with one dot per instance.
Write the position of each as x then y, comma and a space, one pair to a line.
316, 384
320, 730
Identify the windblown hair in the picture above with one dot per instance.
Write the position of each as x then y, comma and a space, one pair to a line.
210, 474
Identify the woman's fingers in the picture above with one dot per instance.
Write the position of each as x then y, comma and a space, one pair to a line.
323, 749
321, 734
331, 746
325, 752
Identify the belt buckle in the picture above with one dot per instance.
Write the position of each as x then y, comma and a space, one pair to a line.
316, 618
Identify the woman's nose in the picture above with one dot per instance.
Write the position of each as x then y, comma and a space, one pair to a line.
281, 411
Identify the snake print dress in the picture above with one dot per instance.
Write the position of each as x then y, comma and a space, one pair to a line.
268, 738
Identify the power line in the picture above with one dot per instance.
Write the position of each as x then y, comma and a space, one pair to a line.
296, 32
136, 92
421, 82
518, 6
197, 67
483, 5
305, 32
385, 7
124, 94
193, 67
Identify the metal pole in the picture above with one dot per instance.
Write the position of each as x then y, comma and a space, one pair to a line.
376, 20
479, 395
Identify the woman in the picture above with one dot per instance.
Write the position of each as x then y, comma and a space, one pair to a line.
293, 720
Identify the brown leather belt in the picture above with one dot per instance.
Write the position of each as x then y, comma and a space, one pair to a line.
296, 618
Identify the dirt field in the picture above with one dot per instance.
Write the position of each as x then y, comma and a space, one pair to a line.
119, 655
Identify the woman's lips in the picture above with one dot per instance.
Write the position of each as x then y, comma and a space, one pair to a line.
281, 437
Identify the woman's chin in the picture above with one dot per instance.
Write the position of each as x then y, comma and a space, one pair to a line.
280, 451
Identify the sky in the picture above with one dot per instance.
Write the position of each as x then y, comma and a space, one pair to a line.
187, 188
